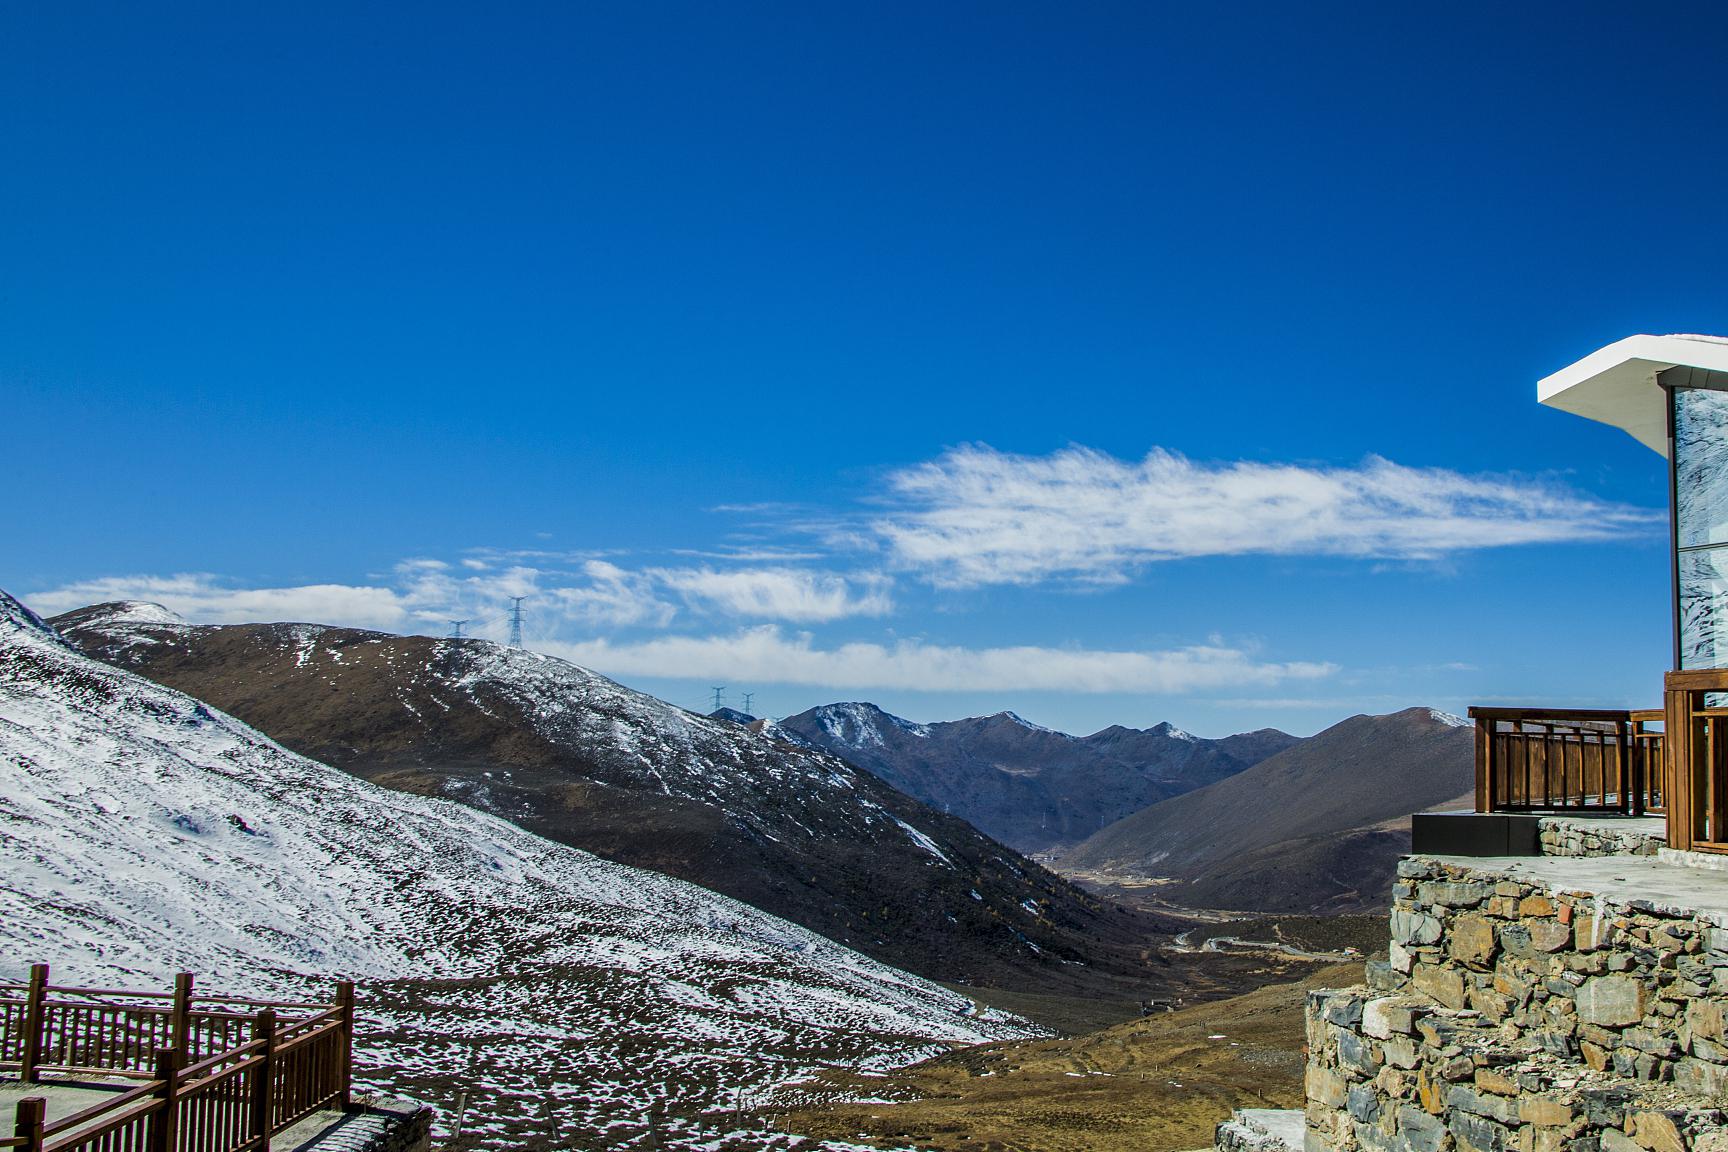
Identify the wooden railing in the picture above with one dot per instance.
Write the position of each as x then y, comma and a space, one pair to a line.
1582, 760
1698, 747
215, 1078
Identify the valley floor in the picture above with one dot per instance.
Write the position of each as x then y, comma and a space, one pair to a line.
1156, 1084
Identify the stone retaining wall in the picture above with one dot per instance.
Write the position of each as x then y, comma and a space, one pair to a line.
1399, 1073
1558, 836
1514, 1015
1619, 986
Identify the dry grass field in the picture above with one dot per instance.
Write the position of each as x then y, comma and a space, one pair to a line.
1151, 1085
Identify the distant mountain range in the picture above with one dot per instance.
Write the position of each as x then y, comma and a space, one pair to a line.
575, 757
1031, 788
144, 832
1317, 827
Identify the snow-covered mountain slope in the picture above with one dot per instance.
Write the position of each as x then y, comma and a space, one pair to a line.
576, 757
143, 832
1029, 786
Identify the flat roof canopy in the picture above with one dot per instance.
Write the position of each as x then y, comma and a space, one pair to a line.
1617, 384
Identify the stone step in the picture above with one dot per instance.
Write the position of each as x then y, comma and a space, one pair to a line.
1261, 1130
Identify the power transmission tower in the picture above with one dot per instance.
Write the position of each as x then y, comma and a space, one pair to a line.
456, 629
516, 621
718, 693
748, 696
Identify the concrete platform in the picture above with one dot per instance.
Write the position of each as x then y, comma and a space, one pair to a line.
1673, 883
1262, 1130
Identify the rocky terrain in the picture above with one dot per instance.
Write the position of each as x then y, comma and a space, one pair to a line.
1318, 827
575, 757
1030, 787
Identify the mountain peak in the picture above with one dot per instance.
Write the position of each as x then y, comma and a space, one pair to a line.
15, 617
133, 612
1168, 729
861, 724
1016, 718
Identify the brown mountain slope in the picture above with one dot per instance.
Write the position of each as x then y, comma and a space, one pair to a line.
573, 756
1298, 831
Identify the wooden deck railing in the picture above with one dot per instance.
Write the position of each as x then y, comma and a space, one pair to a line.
215, 1077
1581, 760
1698, 747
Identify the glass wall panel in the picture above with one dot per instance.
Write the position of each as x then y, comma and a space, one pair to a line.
1701, 466
1704, 608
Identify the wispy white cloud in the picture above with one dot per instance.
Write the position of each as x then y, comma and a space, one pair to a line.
203, 599
425, 594
977, 516
611, 597
767, 655
797, 595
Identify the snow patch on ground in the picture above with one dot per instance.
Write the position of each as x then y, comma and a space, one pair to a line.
922, 840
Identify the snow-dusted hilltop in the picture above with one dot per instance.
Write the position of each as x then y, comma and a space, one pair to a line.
576, 757
143, 832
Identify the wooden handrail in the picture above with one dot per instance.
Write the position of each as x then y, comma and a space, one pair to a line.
148, 1089
262, 1003
285, 1046
95, 1135
259, 1079
240, 1053
136, 1009
1478, 712
1531, 759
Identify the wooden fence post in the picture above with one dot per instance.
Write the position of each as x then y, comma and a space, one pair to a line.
32, 1115
164, 1122
180, 1023
263, 1087
345, 1001
1677, 767
1631, 802
1484, 764
35, 1017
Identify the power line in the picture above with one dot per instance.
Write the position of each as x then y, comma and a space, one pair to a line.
748, 696
456, 629
719, 694
516, 621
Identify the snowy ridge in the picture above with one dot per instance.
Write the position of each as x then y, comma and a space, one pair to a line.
637, 739
15, 618
1449, 719
858, 725
1016, 718
696, 757
143, 833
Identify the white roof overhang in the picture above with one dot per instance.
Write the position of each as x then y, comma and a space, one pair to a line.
1617, 384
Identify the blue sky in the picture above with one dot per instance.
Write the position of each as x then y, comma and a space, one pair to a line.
1105, 362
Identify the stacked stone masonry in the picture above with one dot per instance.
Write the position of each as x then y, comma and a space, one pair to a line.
1513, 1016
1561, 836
